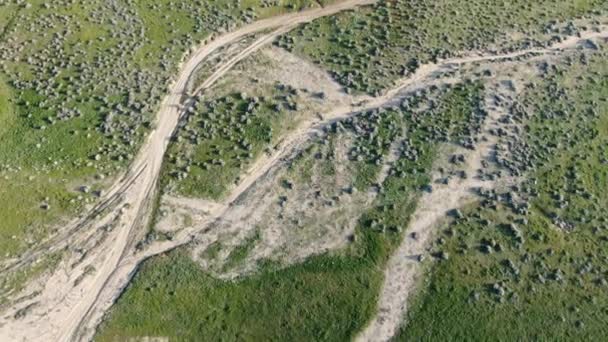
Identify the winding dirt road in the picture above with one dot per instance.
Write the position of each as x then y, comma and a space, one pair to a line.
71, 302
67, 303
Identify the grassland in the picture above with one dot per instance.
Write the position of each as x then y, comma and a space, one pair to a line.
274, 305
241, 252
94, 73
6, 108
368, 49
530, 264
327, 297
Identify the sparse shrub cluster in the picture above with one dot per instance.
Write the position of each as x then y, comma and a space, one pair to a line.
222, 136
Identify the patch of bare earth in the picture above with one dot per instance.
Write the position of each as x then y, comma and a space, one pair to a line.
295, 216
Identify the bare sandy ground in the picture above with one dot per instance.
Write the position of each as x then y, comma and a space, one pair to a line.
302, 74
318, 216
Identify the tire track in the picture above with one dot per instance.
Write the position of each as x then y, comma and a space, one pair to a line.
63, 310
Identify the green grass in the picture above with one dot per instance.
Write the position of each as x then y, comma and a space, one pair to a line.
211, 252
7, 15
328, 297
6, 108
530, 310
23, 190
274, 305
368, 49
554, 278
21, 213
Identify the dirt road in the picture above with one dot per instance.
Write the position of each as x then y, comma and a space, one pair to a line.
68, 300
72, 301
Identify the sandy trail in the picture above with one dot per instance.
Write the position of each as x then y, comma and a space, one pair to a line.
403, 271
192, 203
65, 310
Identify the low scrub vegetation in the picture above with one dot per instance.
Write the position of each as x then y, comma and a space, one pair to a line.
368, 49
221, 137
529, 263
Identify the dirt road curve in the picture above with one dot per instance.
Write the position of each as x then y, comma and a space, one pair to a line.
62, 308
